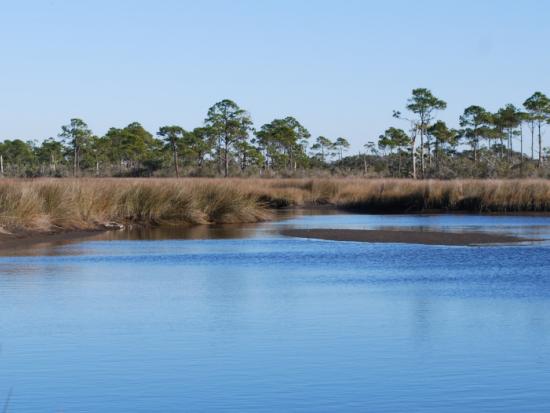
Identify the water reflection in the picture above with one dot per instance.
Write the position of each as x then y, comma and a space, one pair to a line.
536, 226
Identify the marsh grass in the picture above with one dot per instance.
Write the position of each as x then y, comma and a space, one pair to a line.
67, 204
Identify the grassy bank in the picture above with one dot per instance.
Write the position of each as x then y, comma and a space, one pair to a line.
66, 204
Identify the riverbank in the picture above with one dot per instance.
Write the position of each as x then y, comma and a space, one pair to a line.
45, 206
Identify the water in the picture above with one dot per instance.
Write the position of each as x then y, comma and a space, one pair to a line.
242, 319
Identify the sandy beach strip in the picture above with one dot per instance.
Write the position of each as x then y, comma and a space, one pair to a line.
405, 236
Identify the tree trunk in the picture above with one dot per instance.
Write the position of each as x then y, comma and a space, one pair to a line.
413, 151
429, 143
399, 165
1, 165
52, 163
540, 147
422, 163
220, 160
75, 161
175, 150
510, 146
533, 142
521, 150
226, 160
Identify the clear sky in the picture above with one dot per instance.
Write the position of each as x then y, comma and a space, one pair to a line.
339, 67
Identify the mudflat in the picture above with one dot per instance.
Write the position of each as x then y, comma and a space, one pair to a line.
405, 236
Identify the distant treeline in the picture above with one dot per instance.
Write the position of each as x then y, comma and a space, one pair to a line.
507, 143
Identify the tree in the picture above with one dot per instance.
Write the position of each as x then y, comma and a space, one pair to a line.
532, 125
197, 144
341, 144
248, 155
522, 117
229, 124
474, 121
17, 157
443, 137
412, 139
98, 152
76, 134
172, 136
282, 141
496, 133
538, 107
131, 145
508, 119
50, 152
394, 138
138, 142
322, 146
423, 104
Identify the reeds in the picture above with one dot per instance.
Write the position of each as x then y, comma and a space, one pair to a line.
71, 204
66, 204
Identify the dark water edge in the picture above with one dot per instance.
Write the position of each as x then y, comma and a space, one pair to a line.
39, 244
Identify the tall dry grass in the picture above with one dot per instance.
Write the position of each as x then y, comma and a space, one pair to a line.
405, 195
70, 204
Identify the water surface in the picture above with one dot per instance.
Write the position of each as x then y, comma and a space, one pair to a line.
240, 318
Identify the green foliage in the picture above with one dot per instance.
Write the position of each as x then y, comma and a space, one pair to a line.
444, 137
538, 111
486, 145
538, 105
18, 157
476, 124
172, 136
341, 145
322, 148
423, 103
76, 134
283, 142
394, 138
228, 124
196, 145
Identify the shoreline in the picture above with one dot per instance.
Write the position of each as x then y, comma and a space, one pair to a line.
49, 210
25, 241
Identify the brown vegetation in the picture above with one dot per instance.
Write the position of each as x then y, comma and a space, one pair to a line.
50, 205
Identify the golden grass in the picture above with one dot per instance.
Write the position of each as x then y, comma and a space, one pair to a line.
71, 204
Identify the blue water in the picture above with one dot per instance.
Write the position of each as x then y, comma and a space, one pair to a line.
242, 319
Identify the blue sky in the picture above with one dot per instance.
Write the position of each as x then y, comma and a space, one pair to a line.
339, 67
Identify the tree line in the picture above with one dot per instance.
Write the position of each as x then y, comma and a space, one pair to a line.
505, 143
489, 140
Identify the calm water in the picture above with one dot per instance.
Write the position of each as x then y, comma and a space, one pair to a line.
242, 319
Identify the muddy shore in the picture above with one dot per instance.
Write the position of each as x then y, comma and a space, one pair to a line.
405, 236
